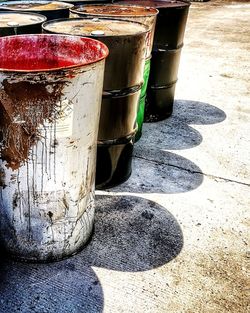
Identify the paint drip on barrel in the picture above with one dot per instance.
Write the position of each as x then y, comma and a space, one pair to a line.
27, 111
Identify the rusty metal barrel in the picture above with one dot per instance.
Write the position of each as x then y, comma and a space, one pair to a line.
142, 14
50, 9
15, 23
122, 85
50, 100
168, 42
81, 2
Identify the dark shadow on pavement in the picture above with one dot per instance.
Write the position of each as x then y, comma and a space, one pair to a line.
131, 234
60, 287
158, 171
170, 134
175, 133
198, 113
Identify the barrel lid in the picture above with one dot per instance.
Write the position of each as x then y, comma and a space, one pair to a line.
34, 5
156, 3
16, 19
84, 1
97, 27
115, 10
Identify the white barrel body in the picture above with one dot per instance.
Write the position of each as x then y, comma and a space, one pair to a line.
47, 194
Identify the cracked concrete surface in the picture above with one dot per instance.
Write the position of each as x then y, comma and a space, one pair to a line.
175, 236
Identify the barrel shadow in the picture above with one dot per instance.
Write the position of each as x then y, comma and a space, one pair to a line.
160, 171
49, 288
170, 134
198, 113
131, 234
175, 133
157, 170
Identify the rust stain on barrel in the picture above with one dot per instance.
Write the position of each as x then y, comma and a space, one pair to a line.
24, 107
115, 10
34, 5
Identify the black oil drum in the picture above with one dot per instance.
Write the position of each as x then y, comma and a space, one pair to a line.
123, 79
171, 20
50, 9
168, 41
162, 82
114, 161
15, 23
141, 14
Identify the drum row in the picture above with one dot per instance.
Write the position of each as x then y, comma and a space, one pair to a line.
142, 66
57, 98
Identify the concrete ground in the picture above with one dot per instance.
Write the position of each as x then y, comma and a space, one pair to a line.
174, 237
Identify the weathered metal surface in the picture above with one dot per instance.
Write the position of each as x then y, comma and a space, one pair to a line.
171, 20
122, 110
144, 15
108, 26
159, 102
114, 10
126, 43
49, 122
79, 2
114, 162
165, 65
51, 9
162, 81
169, 34
15, 23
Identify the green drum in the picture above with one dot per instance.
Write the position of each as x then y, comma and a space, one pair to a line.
141, 107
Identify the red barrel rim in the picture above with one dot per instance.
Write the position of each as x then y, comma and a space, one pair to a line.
46, 62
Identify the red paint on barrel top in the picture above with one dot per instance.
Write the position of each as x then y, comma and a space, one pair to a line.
48, 52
